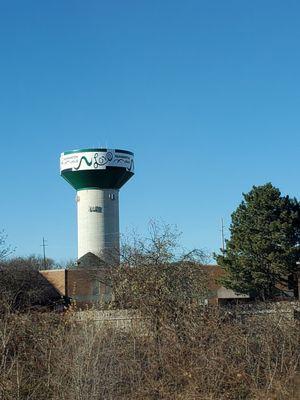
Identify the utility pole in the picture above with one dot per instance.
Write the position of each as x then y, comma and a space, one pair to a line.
44, 251
222, 234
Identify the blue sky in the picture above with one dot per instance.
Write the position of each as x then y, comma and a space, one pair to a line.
206, 93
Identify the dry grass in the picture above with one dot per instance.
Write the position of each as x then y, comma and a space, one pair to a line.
214, 357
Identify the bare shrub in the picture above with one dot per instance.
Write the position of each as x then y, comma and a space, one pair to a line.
22, 287
185, 350
27, 342
220, 356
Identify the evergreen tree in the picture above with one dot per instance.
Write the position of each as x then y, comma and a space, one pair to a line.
264, 245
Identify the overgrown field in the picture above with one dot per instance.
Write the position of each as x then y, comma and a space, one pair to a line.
205, 354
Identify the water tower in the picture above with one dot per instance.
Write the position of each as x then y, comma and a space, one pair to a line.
97, 175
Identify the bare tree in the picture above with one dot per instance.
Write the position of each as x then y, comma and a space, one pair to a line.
161, 281
5, 250
161, 245
32, 262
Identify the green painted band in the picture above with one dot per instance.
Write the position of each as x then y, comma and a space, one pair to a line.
96, 149
110, 178
94, 188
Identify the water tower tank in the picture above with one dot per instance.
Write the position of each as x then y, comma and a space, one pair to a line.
97, 175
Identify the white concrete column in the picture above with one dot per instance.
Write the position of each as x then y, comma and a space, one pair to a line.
98, 223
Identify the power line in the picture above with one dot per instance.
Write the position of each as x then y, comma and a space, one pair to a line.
44, 245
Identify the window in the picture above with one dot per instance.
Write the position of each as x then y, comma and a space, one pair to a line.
95, 289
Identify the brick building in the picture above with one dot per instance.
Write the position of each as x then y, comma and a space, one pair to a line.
82, 286
89, 283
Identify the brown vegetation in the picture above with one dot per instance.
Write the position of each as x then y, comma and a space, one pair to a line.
182, 349
23, 288
216, 356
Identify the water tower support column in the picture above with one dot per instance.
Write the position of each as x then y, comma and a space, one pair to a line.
98, 222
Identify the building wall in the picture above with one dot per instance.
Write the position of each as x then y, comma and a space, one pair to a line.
56, 278
223, 293
86, 286
83, 286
